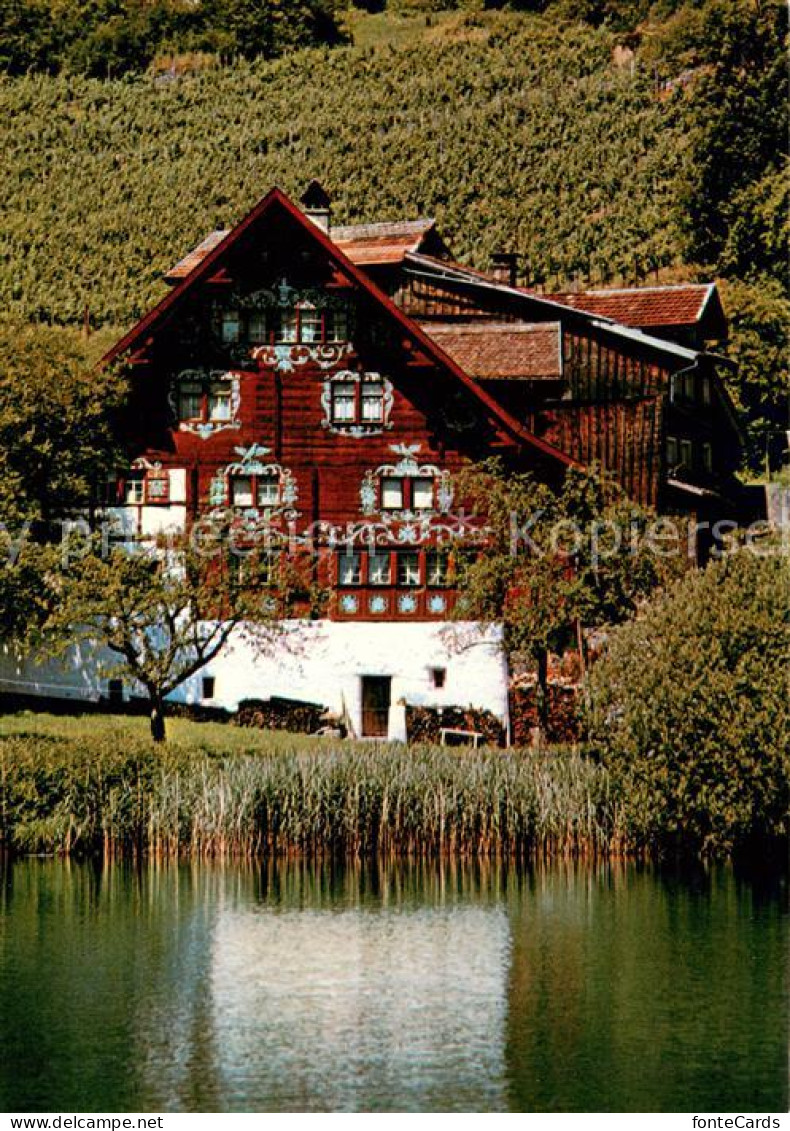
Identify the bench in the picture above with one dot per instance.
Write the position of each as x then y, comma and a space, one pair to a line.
450, 737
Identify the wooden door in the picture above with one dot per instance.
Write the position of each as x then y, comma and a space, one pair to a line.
375, 705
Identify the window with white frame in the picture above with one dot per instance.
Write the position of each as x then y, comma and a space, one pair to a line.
134, 489
360, 402
372, 402
268, 490
142, 486
344, 402
201, 398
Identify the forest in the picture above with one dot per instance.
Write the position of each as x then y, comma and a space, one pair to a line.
610, 142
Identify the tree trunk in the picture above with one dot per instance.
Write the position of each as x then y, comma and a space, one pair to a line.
157, 717
542, 690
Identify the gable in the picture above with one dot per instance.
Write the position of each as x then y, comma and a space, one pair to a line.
275, 239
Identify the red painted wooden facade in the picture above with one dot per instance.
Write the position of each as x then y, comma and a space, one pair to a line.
279, 383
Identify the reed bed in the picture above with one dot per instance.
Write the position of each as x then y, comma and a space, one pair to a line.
114, 794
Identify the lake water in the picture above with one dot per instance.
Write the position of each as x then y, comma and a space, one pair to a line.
435, 988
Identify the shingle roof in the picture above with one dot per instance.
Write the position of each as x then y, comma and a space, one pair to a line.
364, 244
642, 306
502, 350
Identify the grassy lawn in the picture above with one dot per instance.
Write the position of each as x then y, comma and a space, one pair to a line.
182, 734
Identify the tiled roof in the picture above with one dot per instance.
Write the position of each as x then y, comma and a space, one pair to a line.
502, 350
364, 244
195, 256
642, 306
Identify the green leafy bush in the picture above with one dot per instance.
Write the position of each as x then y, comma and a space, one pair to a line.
691, 708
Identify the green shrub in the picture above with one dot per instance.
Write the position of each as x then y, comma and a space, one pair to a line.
691, 709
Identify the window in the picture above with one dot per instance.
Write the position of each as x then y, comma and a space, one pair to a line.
438, 677
202, 401
268, 492
707, 456
349, 569
311, 327
422, 494
301, 323
437, 568
287, 329
190, 401
359, 399
257, 330
682, 387
336, 326
409, 569
373, 402
134, 492
219, 402
343, 402
391, 494
706, 390
241, 491
208, 687
672, 451
686, 453
379, 569
141, 487
231, 326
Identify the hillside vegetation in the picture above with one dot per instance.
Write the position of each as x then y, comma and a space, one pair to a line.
522, 137
515, 130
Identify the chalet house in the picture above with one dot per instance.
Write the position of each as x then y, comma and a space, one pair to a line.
329, 381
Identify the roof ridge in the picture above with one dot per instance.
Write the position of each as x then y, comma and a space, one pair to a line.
633, 290
487, 327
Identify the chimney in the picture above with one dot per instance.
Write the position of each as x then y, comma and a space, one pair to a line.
504, 267
317, 205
